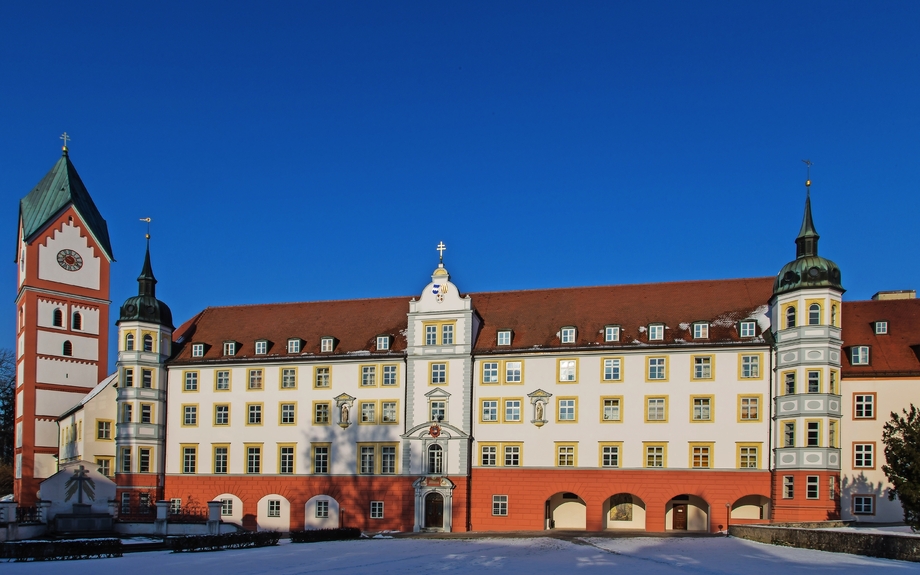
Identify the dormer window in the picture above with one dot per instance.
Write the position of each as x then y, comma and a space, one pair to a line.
504, 337
700, 331
656, 332
612, 333
747, 329
567, 335
261, 347
383, 343
881, 327
326, 344
293, 345
230, 348
197, 350
859, 355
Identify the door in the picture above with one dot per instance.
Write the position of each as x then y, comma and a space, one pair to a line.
434, 511
679, 517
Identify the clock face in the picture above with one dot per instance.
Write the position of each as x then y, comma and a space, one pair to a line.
69, 260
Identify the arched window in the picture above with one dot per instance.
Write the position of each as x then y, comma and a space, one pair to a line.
77, 322
68, 348
834, 314
129, 342
435, 460
148, 342
790, 317
22, 317
57, 318
814, 314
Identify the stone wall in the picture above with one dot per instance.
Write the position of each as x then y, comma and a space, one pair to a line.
887, 546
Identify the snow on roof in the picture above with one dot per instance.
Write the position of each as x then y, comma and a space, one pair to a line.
93, 393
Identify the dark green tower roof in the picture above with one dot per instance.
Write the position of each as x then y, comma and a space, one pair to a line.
808, 270
59, 188
145, 306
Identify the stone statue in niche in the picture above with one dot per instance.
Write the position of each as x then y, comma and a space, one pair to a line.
538, 411
344, 415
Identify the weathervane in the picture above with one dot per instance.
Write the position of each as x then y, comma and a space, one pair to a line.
808, 164
148, 220
441, 247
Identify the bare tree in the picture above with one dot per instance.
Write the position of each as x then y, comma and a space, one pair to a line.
7, 418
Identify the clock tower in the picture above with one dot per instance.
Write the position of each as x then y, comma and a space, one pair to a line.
63, 255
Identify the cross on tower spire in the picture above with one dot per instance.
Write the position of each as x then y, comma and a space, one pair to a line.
441, 247
65, 137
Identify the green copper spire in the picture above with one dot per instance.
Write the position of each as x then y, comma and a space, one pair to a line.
806, 244
146, 283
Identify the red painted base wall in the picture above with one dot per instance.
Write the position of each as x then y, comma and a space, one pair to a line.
800, 508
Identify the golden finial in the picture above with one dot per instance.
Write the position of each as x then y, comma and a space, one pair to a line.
148, 220
808, 163
65, 137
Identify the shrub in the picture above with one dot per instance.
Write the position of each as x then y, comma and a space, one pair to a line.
61, 550
315, 535
238, 540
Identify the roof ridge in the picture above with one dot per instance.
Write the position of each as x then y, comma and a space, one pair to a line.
248, 305
770, 278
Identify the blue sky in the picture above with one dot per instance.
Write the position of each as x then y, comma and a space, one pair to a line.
292, 151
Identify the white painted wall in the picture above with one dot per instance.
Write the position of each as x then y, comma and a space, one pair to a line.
68, 236
54, 403
90, 318
46, 314
237, 515
45, 465
52, 343
266, 523
65, 372
46, 433
311, 521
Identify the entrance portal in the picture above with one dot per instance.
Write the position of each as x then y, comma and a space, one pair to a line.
434, 511
679, 517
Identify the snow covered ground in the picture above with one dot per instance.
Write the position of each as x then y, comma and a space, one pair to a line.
636, 556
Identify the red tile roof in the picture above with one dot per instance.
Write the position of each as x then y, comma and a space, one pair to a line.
889, 355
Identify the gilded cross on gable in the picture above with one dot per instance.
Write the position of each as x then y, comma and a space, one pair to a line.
65, 137
441, 247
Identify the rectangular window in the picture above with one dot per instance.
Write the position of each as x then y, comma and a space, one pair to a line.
864, 406
147, 379
104, 466
383, 342
700, 330
389, 376
566, 410
230, 348
104, 430
321, 413
376, 509
656, 332
656, 409
654, 456
197, 350
863, 505
221, 455
750, 409
274, 508
881, 327
368, 375
368, 412
504, 337
814, 381
702, 409
565, 455
126, 460
750, 366
253, 459
612, 369
320, 459
512, 455
747, 457
611, 406
863, 455
489, 410
832, 433
286, 459
388, 412
438, 373
656, 367
488, 456
321, 377
226, 507
288, 413
568, 335
431, 335
513, 372
500, 505
490, 372
610, 456
146, 413
790, 383
702, 367
812, 433
221, 414
293, 346
129, 378
438, 410
191, 381
322, 509
833, 383
190, 415
512, 410
748, 329
127, 413
326, 344
261, 347
447, 334
388, 459
288, 378
811, 487
612, 333
143, 460
189, 459
567, 370
367, 459
222, 381
789, 434
700, 456
859, 355
788, 487
255, 379
254, 411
